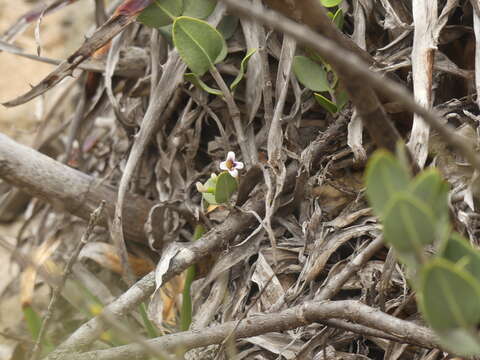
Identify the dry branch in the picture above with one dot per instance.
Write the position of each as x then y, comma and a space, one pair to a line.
67, 189
292, 318
224, 233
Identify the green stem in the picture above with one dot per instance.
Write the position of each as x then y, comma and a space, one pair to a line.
186, 311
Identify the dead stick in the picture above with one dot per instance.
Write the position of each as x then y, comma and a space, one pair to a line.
68, 189
301, 315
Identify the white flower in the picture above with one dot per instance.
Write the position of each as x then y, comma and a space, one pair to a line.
231, 165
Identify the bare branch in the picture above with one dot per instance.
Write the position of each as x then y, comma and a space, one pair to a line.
292, 318
67, 189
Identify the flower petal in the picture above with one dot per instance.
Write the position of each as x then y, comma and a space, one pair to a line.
231, 156
238, 165
223, 165
233, 172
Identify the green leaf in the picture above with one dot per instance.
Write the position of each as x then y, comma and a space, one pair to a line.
210, 197
311, 74
161, 13
338, 19
408, 224
330, 3
429, 187
458, 250
243, 67
226, 185
166, 32
227, 26
195, 80
149, 326
326, 103
199, 44
384, 177
34, 322
449, 296
200, 9
341, 98
460, 341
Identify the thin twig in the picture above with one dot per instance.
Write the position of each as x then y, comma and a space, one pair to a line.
94, 219
334, 285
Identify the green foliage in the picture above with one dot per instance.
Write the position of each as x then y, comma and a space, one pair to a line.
338, 19
385, 176
161, 13
199, 9
199, 83
209, 194
449, 296
330, 3
414, 213
218, 189
34, 322
310, 73
408, 224
458, 251
315, 74
199, 44
243, 68
149, 326
226, 186
327, 104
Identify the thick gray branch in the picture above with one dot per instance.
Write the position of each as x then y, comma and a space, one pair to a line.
67, 189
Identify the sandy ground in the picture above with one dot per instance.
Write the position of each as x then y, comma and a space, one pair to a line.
61, 33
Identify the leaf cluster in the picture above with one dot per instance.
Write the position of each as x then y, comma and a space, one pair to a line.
415, 217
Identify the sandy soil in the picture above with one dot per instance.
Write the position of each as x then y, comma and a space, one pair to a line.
61, 33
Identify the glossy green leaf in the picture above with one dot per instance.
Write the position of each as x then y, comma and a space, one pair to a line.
408, 224
243, 68
312, 75
384, 177
330, 3
227, 26
161, 13
449, 296
338, 19
200, 9
326, 103
226, 186
195, 80
199, 44
458, 250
